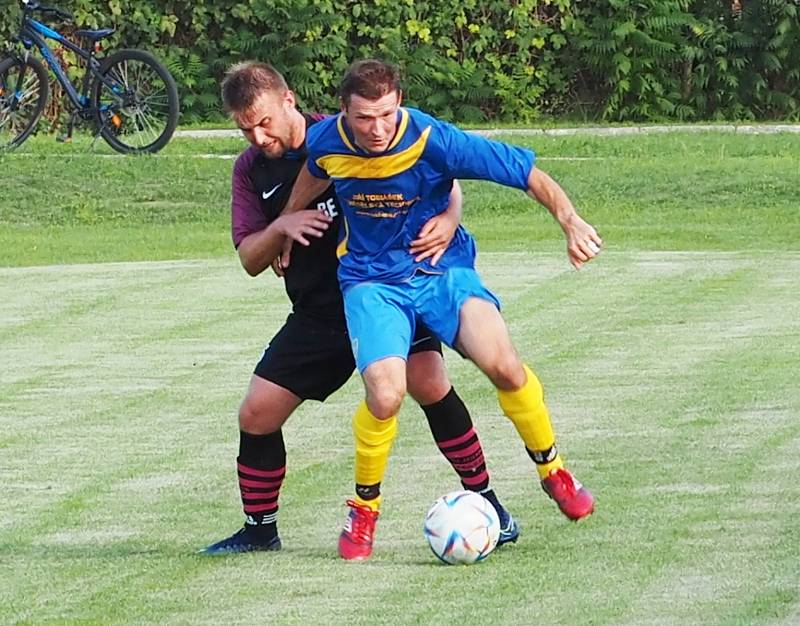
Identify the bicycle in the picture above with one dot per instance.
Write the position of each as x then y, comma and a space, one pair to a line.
129, 96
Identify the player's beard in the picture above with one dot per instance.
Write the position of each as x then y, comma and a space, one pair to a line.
285, 141
276, 148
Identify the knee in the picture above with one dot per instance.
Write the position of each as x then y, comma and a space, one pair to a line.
255, 420
427, 379
385, 384
385, 402
428, 391
507, 373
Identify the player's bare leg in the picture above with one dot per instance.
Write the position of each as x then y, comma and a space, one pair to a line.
374, 429
483, 337
261, 466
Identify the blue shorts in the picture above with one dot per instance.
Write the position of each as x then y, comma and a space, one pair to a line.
381, 318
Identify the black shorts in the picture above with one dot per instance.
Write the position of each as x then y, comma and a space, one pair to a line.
312, 359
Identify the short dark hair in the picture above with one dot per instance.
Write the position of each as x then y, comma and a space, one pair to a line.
370, 79
244, 82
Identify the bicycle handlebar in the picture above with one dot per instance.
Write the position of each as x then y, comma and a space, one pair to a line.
33, 5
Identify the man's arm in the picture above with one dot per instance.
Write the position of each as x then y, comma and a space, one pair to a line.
306, 188
583, 242
436, 234
258, 241
470, 156
259, 249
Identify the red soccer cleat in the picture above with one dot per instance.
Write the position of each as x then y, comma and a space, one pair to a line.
572, 498
355, 542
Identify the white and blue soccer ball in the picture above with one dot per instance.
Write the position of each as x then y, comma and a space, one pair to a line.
462, 527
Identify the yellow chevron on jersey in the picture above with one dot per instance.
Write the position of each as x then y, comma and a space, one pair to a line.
374, 167
401, 128
343, 134
341, 248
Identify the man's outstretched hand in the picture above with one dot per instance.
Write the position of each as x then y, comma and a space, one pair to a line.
583, 242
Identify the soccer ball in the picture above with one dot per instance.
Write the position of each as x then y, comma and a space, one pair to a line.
462, 527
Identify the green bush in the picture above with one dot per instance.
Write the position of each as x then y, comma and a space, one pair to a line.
471, 61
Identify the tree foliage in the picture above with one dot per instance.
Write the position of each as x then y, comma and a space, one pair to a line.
473, 61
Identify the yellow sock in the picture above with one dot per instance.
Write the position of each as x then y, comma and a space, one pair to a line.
526, 409
374, 439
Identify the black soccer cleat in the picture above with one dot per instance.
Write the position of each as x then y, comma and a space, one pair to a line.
247, 539
509, 529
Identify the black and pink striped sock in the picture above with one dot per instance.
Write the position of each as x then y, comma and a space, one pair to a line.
261, 467
465, 454
452, 429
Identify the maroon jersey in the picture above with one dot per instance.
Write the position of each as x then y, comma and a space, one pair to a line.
260, 189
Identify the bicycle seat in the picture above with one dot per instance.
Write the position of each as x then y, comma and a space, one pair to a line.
95, 35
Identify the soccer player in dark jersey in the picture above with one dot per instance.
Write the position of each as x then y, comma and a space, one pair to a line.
393, 169
310, 356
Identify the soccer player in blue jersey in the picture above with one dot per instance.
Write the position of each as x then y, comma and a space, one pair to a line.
310, 357
393, 169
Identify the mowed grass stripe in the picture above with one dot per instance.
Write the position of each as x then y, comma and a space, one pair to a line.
732, 274
144, 406
146, 476
717, 399
736, 273
92, 507
721, 386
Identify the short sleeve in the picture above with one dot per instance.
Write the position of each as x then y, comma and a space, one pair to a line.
246, 214
313, 141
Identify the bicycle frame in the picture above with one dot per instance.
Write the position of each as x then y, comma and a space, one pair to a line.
34, 33
133, 113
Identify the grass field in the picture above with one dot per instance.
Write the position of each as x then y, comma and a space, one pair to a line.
129, 332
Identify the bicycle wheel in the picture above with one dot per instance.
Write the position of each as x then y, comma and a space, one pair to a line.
21, 104
136, 102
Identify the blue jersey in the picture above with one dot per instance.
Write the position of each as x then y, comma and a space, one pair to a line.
386, 198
